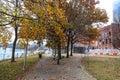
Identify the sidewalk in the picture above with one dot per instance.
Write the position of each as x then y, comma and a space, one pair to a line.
69, 69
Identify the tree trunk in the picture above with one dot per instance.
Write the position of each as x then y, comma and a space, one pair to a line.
55, 52
68, 43
58, 59
59, 53
25, 56
88, 46
71, 53
60, 50
16, 36
14, 44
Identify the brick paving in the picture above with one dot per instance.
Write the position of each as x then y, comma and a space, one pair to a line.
69, 69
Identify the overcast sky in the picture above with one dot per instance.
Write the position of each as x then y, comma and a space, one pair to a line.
108, 6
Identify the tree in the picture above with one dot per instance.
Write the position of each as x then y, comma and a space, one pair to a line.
57, 25
82, 14
92, 34
5, 36
41, 15
10, 17
59, 21
50, 17
15, 26
13, 14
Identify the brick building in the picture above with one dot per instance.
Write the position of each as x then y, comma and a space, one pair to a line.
105, 38
109, 37
116, 35
116, 24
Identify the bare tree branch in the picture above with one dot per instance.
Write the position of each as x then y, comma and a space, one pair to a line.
14, 18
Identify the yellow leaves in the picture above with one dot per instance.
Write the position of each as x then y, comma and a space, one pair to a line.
36, 7
31, 31
28, 4
2, 29
5, 36
22, 43
24, 32
50, 21
57, 20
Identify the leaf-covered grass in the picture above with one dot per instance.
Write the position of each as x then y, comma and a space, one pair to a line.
10, 71
103, 68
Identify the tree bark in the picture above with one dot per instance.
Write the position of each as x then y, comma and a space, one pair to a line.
72, 42
14, 44
68, 44
71, 53
55, 52
59, 52
25, 56
88, 46
16, 37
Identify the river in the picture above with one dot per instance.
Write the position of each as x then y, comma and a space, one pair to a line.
6, 54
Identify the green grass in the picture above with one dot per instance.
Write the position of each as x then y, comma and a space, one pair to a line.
10, 71
103, 68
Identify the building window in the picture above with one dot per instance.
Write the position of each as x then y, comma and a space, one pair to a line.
110, 41
103, 42
109, 33
103, 36
106, 41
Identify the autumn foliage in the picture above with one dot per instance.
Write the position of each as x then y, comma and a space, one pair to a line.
60, 22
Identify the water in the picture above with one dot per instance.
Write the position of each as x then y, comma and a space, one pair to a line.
6, 54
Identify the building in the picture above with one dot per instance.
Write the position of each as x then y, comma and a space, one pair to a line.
80, 45
109, 37
105, 38
116, 24
116, 35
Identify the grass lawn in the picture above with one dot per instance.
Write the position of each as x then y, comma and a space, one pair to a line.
103, 68
10, 71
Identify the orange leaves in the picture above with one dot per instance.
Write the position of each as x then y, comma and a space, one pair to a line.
92, 34
31, 31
